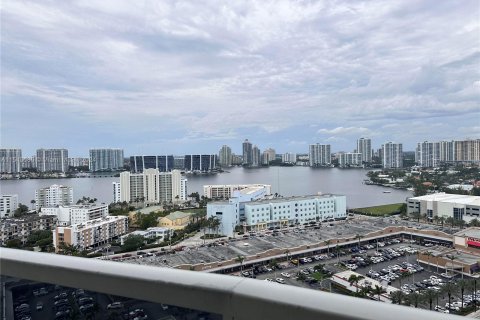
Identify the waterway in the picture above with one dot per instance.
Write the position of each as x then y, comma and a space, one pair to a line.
286, 181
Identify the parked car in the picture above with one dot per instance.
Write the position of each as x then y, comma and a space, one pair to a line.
115, 305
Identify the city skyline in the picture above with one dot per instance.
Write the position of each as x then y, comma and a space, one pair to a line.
284, 74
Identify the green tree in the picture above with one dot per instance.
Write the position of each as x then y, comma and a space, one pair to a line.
450, 289
14, 243
450, 220
474, 223
327, 242
378, 290
20, 211
462, 285
414, 298
133, 242
354, 279
429, 295
240, 260
417, 215
397, 297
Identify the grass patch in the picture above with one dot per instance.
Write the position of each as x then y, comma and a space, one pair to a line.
387, 209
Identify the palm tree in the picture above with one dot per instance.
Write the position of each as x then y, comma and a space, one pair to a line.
428, 254
355, 279
240, 260
402, 275
327, 242
442, 220
33, 204
429, 295
462, 285
416, 215
414, 298
436, 218
397, 296
378, 290
214, 224
451, 257
450, 220
449, 288
287, 253
358, 237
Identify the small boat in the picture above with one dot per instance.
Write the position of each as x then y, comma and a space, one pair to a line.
387, 191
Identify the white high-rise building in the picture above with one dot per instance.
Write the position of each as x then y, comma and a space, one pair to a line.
10, 160
106, 159
392, 155
319, 155
349, 159
52, 160
225, 156
289, 157
55, 195
226, 191
364, 147
116, 192
152, 186
8, 205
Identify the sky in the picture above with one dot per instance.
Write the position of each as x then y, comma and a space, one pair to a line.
179, 77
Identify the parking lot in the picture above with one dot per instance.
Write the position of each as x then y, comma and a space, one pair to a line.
256, 243
409, 275
45, 301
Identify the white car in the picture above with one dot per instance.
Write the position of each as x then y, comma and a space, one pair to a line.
280, 280
115, 305
285, 274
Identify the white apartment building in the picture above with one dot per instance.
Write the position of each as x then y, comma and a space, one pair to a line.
52, 160
159, 233
226, 191
349, 159
105, 159
91, 233
289, 157
432, 154
446, 205
392, 155
364, 147
319, 155
69, 215
55, 195
266, 213
10, 160
152, 186
8, 205
116, 192
256, 156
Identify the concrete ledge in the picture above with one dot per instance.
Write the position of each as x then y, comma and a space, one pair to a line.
232, 297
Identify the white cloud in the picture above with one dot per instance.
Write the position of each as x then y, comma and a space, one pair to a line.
220, 69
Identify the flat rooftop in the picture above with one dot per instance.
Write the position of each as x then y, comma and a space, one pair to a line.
295, 198
470, 232
452, 198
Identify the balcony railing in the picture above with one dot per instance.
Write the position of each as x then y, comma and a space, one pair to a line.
232, 297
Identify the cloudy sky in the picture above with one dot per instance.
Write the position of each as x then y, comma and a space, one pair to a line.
175, 77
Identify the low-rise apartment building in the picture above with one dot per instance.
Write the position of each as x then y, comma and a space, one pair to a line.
159, 233
21, 228
75, 214
91, 233
8, 205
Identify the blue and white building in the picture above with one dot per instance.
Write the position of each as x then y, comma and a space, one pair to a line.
265, 213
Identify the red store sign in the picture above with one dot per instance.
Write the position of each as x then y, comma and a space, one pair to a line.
473, 242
